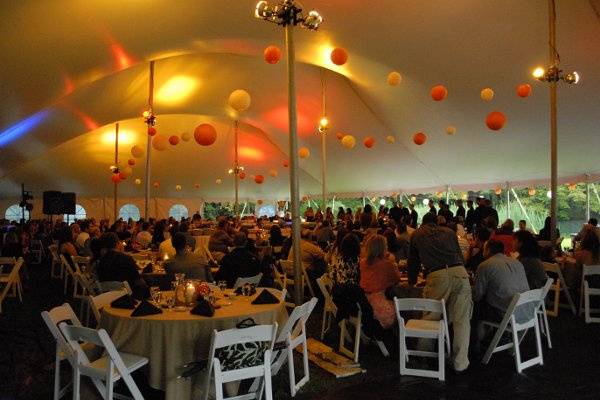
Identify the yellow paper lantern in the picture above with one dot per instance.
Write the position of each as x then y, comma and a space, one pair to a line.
439, 195
239, 100
498, 191
390, 139
273, 173
186, 136
413, 198
160, 142
138, 181
303, 152
348, 141
531, 191
450, 130
487, 94
137, 151
394, 78
218, 181
572, 186
464, 196
178, 188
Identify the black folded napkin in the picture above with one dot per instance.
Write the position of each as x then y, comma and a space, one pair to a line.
125, 301
203, 308
265, 297
148, 269
146, 308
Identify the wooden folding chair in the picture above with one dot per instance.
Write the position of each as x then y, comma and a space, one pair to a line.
12, 282
559, 287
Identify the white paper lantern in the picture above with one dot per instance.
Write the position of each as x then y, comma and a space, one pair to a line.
239, 100
348, 141
186, 136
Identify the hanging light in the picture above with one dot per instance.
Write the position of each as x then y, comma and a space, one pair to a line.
149, 117
555, 74
323, 125
287, 13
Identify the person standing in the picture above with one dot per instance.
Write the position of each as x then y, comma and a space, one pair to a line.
460, 210
437, 249
414, 216
470, 218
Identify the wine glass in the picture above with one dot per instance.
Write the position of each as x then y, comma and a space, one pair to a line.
222, 285
155, 294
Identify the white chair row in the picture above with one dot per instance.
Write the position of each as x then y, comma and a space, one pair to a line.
558, 287
11, 281
587, 292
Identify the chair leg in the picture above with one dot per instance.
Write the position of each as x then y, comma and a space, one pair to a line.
131, 385
556, 300
267, 386
516, 348
441, 358
76, 382
57, 375
402, 353
546, 327
324, 322
538, 341
586, 295
292, 373
357, 333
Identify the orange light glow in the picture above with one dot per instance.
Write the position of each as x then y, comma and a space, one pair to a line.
176, 89
251, 153
87, 121
69, 85
122, 59
308, 112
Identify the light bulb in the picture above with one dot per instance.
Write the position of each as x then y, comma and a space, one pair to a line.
382, 202
539, 73
146, 114
323, 124
572, 77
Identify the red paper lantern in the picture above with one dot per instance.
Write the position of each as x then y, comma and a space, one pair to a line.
419, 138
369, 142
259, 179
115, 178
286, 163
272, 54
340, 135
156, 185
242, 175
439, 92
197, 185
174, 140
205, 134
151, 131
495, 120
339, 56
131, 162
524, 90
122, 176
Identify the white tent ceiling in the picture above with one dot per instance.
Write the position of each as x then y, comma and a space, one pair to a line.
71, 69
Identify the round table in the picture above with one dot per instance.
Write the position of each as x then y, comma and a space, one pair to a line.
174, 338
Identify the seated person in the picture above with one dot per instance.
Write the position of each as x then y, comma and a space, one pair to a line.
275, 237
184, 228
239, 263
529, 255
144, 237
505, 235
166, 249
589, 254
475, 256
220, 240
186, 262
324, 235
311, 255
114, 265
498, 279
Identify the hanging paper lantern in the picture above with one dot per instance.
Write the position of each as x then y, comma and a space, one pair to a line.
272, 54
115, 178
160, 142
304, 198
303, 152
218, 181
394, 78
137, 151
487, 94
572, 186
339, 135
531, 191
151, 131
259, 179
174, 140
273, 173
131, 162
286, 163
339, 56
450, 130
239, 100
348, 141
126, 172
419, 138
524, 90
498, 191
186, 136
464, 196
156, 185
178, 188
439, 92
439, 195
197, 185
205, 134
369, 142
495, 120
390, 139
242, 175
259, 202
394, 194
138, 181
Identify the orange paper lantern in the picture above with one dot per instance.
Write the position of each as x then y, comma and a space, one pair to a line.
131, 162
369, 142
151, 131
303, 152
286, 163
339, 56
197, 185
524, 90
242, 175
259, 202
137, 151
495, 120
259, 179
419, 138
339, 135
174, 140
205, 134
115, 178
272, 54
439, 92
273, 173
160, 142
156, 185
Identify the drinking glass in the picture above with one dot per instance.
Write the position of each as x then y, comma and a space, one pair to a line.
222, 285
155, 294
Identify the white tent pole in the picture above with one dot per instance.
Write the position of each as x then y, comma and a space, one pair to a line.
236, 172
524, 211
448, 195
553, 61
149, 143
587, 197
363, 199
116, 185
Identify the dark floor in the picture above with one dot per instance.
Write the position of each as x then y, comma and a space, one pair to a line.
571, 369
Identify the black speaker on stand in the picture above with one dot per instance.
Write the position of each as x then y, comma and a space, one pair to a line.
53, 203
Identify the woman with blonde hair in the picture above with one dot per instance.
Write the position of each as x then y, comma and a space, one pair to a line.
377, 273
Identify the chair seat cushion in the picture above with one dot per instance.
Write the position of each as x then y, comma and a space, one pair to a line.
423, 325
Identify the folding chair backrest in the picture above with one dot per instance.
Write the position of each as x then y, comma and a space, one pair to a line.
325, 285
555, 269
287, 266
97, 303
54, 317
67, 264
527, 302
546, 287
251, 280
78, 334
108, 286
426, 305
7, 260
590, 270
14, 273
297, 320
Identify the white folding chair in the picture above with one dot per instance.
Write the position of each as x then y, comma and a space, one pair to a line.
223, 365
558, 287
289, 277
52, 318
542, 313
587, 292
12, 282
356, 321
528, 303
109, 286
109, 368
69, 272
56, 262
329, 308
423, 329
97, 303
255, 280
84, 287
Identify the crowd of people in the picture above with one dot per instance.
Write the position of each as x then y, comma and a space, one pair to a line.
465, 257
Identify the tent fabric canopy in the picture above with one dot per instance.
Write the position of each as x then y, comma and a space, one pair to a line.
65, 89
